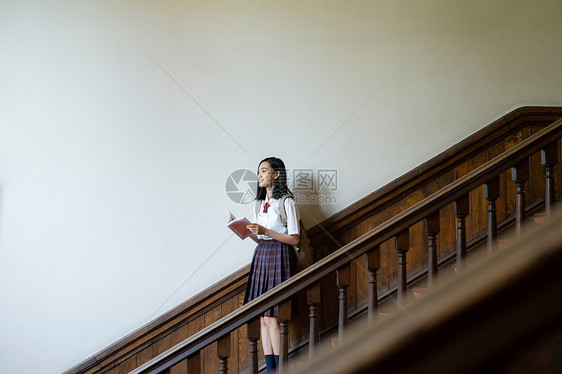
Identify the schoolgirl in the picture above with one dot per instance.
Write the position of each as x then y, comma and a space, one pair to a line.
274, 259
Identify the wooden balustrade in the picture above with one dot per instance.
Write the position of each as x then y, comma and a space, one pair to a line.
284, 318
402, 245
520, 175
475, 322
373, 263
223, 351
461, 211
432, 230
313, 298
397, 227
491, 193
343, 281
549, 156
253, 331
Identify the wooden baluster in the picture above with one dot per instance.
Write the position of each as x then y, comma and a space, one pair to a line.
402, 245
253, 328
549, 158
223, 351
313, 298
284, 318
373, 264
461, 211
520, 174
343, 280
491, 193
432, 230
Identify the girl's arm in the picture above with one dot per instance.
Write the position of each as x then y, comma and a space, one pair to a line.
254, 238
257, 229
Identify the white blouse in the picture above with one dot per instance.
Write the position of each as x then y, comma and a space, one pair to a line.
272, 220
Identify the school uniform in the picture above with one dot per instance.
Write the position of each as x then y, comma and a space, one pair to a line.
273, 262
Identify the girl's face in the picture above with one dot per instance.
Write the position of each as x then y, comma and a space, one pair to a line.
266, 175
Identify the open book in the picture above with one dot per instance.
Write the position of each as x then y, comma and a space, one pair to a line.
238, 225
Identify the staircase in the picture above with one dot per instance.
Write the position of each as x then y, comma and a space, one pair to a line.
395, 238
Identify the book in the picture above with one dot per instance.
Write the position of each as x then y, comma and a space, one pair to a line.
238, 225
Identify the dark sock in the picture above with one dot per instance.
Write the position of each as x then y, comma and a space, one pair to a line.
270, 364
276, 360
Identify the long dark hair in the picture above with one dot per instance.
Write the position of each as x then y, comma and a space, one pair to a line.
280, 187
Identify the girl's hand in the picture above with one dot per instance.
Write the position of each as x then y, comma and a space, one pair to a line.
256, 229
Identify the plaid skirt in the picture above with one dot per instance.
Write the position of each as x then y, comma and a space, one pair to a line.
273, 263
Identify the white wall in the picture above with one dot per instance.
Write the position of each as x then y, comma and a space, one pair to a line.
121, 121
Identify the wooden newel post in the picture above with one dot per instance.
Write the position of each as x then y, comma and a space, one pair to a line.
223, 351
253, 328
373, 264
549, 158
461, 211
520, 174
432, 230
343, 280
284, 318
313, 299
402, 245
491, 193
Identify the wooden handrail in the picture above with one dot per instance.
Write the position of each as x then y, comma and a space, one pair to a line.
347, 253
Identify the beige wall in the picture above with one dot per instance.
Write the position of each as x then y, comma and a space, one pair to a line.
121, 121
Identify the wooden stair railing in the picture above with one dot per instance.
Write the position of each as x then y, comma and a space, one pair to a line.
369, 243
477, 321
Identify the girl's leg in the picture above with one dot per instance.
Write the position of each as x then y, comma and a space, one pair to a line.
274, 336
267, 347
265, 337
